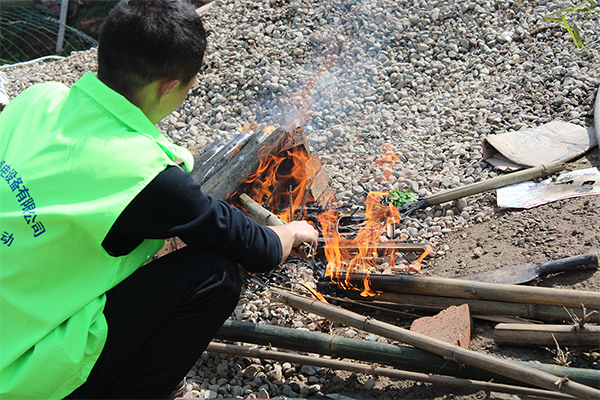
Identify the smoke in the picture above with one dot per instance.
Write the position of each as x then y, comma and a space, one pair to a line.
337, 70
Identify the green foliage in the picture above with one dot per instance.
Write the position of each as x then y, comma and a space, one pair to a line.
588, 6
368, 136
399, 198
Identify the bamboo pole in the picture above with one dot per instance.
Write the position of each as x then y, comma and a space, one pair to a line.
483, 361
265, 217
476, 307
496, 182
403, 357
546, 335
244, 351
429, 285
483, 186
597, 117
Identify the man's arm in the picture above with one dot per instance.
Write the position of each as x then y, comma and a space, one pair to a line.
174, 205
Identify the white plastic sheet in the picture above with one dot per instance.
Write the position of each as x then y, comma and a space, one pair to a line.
529, 194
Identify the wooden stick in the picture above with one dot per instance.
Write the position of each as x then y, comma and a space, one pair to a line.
265, 217
483, 361
447, 287
401, 247
244, 351
545, 335
477, 307
403, 357
260, 214
291, 203
305, 198
597, 117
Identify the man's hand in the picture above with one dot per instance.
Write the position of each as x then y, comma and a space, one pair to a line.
293, 234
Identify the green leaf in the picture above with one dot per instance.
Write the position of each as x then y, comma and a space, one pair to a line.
568, 27
577, 36
583, 6
398, 198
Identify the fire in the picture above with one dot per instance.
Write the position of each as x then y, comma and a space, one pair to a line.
282, 183
318, 295
342, 262
380, 216
283, 178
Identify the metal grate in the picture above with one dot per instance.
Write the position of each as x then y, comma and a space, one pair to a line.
28, 33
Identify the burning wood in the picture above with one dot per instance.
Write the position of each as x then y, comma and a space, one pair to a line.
343, 264
288, 175
264, 162
285, 176
226, 180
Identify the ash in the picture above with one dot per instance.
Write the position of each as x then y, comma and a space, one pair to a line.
431, 79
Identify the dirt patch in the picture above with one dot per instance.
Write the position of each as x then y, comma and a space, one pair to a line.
511, 237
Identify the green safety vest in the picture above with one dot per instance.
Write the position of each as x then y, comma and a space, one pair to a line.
70, 162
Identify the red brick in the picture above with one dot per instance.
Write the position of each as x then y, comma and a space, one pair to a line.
452, 325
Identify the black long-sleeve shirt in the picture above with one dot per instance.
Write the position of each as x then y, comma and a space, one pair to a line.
173, 205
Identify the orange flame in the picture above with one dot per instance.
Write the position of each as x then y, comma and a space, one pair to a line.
342, 263
283, 179
315, 293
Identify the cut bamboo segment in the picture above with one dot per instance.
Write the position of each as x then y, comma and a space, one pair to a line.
546, 335
265, 217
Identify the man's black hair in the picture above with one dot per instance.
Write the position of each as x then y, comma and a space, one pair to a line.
146, 40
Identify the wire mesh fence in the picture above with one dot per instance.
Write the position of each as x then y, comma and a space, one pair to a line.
27, 33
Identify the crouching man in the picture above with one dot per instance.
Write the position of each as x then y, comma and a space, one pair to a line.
89, 191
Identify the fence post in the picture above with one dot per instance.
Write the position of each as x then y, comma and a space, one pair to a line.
64, 5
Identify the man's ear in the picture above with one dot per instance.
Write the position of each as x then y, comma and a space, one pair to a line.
165, 87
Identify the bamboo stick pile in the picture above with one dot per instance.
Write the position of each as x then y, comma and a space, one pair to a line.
425, 359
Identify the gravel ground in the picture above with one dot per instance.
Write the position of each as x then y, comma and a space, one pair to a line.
431, 79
